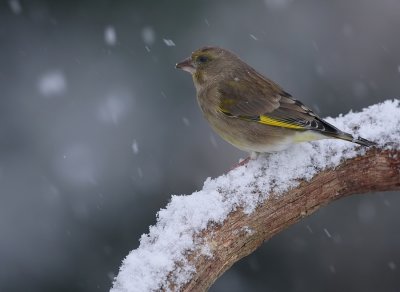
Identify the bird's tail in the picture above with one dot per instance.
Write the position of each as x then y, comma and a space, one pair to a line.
332, 131
348, 137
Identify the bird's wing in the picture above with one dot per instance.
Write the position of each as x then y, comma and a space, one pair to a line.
266, 103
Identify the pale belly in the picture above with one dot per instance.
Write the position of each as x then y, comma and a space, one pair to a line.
256, 137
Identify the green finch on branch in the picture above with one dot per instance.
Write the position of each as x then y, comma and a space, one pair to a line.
250, 111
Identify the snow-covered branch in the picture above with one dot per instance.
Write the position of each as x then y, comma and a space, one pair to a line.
199, 236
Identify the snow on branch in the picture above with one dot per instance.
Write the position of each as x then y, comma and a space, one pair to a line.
199, 236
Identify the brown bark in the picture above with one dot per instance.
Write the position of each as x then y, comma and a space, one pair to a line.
241, 234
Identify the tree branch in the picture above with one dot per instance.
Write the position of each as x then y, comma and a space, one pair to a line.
199, 236
241, 234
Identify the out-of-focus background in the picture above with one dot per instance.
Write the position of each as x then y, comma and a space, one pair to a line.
98, 130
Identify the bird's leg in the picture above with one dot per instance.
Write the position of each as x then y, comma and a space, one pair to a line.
243, 162
254, 155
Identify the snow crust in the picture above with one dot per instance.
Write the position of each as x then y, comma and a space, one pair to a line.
147, 267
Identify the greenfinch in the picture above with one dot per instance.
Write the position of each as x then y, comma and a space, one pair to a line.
249, 110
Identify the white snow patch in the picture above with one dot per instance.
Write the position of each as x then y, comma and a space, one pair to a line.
52, 83
110, 36
206, 250
169, 43
179, 224
248, 230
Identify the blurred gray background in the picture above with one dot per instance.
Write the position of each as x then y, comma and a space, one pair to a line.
98, 130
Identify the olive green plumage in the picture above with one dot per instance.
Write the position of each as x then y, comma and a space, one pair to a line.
250, 111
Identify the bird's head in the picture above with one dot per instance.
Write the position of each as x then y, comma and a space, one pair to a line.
208, 63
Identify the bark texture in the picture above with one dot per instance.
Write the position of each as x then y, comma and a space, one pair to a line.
241, 234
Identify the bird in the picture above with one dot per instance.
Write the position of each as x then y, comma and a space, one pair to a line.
250, 111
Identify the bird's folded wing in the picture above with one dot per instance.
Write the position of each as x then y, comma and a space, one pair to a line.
266, 103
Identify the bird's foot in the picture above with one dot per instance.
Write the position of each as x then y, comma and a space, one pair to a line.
241, 163
254, 155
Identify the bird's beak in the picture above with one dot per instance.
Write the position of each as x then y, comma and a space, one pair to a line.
186, 65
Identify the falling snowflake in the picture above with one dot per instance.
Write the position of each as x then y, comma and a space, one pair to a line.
148, 35
392, 265
135, 147
277, 4
327, 233
110, 36
114, 107
15, 6
169, 43
186, 121
52, 83
253, 37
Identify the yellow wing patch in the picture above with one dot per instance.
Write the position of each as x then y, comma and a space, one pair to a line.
271, 122
265, 120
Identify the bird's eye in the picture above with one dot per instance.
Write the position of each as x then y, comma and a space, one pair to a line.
202, 59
